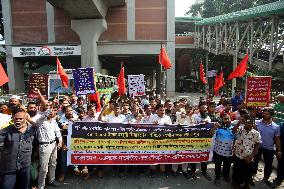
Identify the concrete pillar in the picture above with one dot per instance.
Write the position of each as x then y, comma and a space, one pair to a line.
171, 78
15, 70
89, 31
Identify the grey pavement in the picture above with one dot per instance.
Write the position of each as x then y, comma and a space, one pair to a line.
135, 181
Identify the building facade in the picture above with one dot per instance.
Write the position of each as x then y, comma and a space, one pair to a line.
99, 34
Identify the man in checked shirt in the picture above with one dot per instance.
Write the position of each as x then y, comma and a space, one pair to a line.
48, 133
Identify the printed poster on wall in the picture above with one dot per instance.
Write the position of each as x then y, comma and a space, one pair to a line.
136, 85
99, 143
39, 81
84, 81
258, 91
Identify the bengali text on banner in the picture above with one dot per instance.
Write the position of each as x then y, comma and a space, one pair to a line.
97, 143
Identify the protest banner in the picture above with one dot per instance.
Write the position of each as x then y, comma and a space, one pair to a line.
97, 143
136, 85
55, 84
84, 81
39, 81
258, 91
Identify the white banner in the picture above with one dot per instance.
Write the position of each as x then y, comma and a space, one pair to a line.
136, 85
71, 50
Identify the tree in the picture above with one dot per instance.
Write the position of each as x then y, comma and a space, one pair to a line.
210, 8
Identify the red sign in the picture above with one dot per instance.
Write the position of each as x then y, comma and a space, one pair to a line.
39, 81
258, 91
146, 159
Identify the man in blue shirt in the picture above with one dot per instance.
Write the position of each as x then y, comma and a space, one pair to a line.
237, 99
223, 149
270, 135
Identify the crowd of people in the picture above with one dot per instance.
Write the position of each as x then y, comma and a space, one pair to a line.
35, 140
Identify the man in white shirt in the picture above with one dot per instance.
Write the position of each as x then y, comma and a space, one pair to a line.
116, 118
201, 117
160, 117
92, 113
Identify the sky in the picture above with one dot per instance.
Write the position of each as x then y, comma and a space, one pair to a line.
182, 6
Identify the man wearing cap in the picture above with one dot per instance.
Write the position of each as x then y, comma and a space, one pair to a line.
270, 135
14, 102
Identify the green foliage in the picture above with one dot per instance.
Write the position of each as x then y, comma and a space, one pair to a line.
210, 8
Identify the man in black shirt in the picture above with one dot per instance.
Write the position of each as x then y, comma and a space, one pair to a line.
15, 152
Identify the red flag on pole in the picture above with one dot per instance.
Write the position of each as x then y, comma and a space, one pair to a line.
240, 69
121, 82
3, 76
216, 85
164, 60
221, 82
63, 76
202, 74
96, 97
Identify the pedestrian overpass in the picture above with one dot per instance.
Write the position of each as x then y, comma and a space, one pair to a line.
258, 30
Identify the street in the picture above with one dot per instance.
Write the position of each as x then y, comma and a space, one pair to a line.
135, 181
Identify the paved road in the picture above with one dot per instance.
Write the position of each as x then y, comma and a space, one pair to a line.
145, 182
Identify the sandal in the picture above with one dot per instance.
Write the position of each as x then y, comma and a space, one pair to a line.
76, 171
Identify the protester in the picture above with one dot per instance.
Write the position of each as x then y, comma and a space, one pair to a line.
245, 149
68, 118
270, 136
280, 167
237, 99
201, 117
14, 103
161, 119
15, 156
3, 107
279, 108
223, 148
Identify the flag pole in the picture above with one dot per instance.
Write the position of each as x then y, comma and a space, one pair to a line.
57, 79
162, 77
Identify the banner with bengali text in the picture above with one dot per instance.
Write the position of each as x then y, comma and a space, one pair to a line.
97, 143
258, 91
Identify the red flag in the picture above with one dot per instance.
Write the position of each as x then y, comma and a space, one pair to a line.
202, 74
164, 60
3, 76
219, 82
216, 85
240, 69
63, 76
121, 82
96, 97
